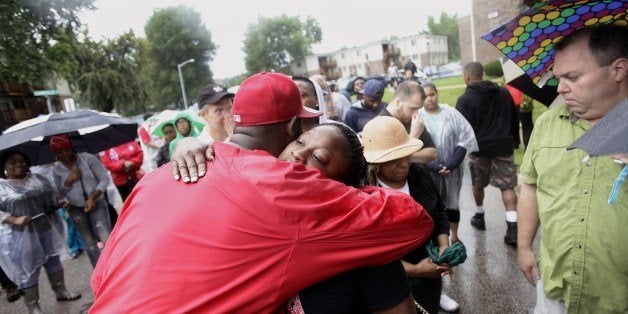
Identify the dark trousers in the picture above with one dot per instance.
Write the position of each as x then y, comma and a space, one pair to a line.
427, 293
5, 282
124, 190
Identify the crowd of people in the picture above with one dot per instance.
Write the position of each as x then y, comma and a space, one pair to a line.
311, 200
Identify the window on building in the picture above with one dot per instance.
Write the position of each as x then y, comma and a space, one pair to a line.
415, 56
342, 56
413, 42
357, 53
299, 64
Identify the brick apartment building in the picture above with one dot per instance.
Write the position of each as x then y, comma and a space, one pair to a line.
486, 15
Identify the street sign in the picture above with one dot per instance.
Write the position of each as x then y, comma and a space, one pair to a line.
49, 92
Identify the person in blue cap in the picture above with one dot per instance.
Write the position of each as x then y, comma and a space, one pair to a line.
368, 108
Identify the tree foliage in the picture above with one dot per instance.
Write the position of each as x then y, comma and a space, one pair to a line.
272, 43
34, 36
447, 25
109, 76
493, 69
174, 35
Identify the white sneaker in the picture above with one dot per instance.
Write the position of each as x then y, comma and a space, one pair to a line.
448, 304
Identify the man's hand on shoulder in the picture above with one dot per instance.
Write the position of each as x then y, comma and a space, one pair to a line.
188, 160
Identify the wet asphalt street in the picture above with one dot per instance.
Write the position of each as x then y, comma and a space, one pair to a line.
488, 282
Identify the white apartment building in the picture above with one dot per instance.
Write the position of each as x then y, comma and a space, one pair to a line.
373, 58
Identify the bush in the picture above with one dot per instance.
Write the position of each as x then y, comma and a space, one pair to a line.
493, 69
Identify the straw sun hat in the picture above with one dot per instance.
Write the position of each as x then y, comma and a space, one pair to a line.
385, 139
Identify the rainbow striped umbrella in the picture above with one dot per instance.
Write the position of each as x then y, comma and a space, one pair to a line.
528, 39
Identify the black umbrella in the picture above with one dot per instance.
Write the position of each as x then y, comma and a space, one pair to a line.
608, 136
90, 131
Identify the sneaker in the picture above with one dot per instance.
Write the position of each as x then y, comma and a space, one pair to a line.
478, 221
511, 234
448, 304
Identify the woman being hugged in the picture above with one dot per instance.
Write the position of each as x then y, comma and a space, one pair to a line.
31, 234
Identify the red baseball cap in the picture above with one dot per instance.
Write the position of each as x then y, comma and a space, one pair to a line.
59, 141
267, 98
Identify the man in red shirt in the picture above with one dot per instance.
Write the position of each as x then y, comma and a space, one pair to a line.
256, 231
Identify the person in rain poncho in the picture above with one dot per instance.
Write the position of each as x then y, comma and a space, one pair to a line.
454, 138
31, 234
185, 125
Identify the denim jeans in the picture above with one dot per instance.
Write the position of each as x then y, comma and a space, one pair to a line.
93, 226
74, 239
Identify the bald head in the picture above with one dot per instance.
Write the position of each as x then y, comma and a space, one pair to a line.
473, 72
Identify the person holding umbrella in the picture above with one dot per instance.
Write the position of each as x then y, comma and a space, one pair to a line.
82, 179
31, 234
583, 266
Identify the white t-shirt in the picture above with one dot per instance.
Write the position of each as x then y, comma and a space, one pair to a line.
405, 189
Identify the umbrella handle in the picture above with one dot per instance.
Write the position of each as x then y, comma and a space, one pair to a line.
620, 179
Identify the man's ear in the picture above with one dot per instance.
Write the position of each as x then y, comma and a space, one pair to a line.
619, 69
294, 128
398, 104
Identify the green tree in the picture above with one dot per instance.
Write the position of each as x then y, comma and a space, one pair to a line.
236, 80
272, 43
109, 76
34, 35
174, 35
447, 25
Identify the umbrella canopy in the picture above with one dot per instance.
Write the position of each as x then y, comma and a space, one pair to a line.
90, 131
156, 122
515, 77
453, 255
528, 39
607, 136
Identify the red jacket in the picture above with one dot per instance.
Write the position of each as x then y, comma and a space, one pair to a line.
247, 237
113, 159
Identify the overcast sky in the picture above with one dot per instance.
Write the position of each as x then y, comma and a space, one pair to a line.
344, 23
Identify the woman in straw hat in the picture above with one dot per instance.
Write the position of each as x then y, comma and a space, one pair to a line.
387, 149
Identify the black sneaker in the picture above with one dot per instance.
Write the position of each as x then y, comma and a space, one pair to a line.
511, 234
478, 221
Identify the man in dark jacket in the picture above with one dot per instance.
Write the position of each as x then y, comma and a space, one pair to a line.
490, 111
368, 108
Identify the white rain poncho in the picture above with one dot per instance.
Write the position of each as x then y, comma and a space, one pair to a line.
456, 131
24, 249
320, 100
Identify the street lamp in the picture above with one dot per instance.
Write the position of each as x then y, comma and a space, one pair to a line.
179, 66
429, 63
